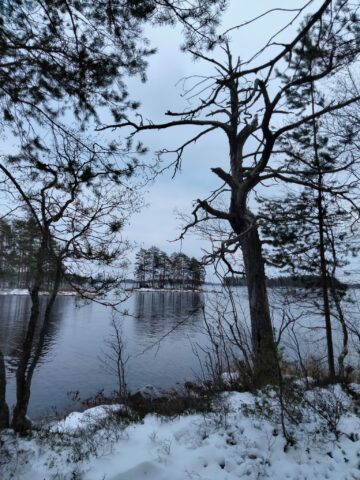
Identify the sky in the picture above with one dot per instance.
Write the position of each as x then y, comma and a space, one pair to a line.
157, 224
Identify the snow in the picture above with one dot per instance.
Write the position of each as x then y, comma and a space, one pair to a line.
149, 391
25, 291
166, 290
225, 445
77, 421
229, 377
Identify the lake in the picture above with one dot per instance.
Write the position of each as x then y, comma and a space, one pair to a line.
159, 334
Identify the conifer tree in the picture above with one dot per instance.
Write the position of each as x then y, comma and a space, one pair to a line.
154, 267
74, 53
301, 227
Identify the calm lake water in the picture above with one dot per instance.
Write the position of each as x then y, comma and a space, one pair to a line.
159, 336
76, 342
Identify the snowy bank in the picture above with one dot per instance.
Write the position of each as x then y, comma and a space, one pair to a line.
166, 290
24, 291
226, 445
76, 422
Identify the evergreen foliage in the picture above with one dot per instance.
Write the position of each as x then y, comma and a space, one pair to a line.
154, 268
293, 224
57, 54
310, 230
19, 241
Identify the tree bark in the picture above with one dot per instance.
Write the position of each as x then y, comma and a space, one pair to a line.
322, 246
20, 423
27, 364
261, 327
264, 349
4, 409
325, 292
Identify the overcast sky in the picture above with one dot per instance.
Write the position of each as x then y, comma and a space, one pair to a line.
158, 224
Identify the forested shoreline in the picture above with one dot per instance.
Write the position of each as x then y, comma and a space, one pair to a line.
20, 239
251, 163
155, 269
19, 242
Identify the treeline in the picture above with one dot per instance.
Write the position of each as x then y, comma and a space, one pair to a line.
155, 269
293, 281
19, 243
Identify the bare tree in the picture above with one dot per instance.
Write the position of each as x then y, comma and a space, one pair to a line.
248, 103
115, 359
80, 200
226, 358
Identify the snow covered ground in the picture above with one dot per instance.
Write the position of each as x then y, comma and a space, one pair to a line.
165, 290
25, 291
226, 445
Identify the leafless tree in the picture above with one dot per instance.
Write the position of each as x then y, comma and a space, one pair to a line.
115, 359
80, 199
247, 101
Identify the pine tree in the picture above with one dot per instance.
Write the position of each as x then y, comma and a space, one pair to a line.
164, 266
61, 54
196, 273
154, 267
141, 267
302, 226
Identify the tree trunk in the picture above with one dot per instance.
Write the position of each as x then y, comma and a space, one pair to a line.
261, 326
325, 295
4, 409
27, 366
345, 343
19, 421
322, 247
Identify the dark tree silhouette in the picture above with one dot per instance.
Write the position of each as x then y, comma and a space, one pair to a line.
247, 102
154, 268
78, 205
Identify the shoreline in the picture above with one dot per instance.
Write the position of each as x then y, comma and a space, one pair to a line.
25, 291
225, 438
174, 290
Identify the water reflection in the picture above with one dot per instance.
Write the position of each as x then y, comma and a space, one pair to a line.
15, 312
75, 340
158, 337
158, 313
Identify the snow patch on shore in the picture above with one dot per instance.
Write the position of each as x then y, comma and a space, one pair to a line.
226, 445
24, 291
80, 421
166, 290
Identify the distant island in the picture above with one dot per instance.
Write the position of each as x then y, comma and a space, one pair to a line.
292, 281
156, 270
